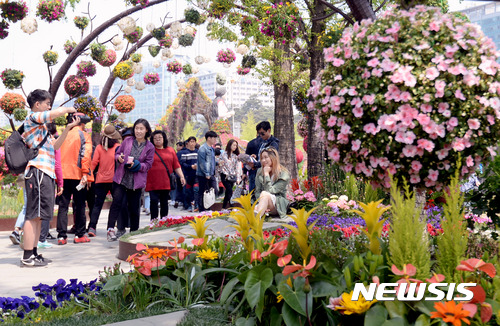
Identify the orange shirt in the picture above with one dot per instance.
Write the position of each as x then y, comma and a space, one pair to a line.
106, 161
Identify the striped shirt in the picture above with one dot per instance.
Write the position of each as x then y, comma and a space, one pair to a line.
34, 132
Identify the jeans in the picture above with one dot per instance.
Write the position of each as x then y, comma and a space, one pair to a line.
101, 190
133, 203
162, 197
205, 184
22, 213
147, 200
191, 192
251, 181
228, 185
79, 198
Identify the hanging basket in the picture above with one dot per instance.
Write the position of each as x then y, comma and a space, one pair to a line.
12, 78
220, 79
11, 101
123, 70
226, 56
97, 51
29, 25
187, 69
248, 61
81, 22
50, 10
76, 85
166, 41
151, 78
142, 3
186, 40
192, 16
242, 71
136, 57
69, 46
134, 36
108, 58
86, 69
174, 67
126, 25
88, 105
154, 50
124, 103
20, 114
4, 29
14, 11
158, 33
50, 57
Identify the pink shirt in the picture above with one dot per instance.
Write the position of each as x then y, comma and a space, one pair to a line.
58, 168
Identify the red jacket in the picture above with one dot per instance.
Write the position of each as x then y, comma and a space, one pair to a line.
157, 176
106, 161
76, 152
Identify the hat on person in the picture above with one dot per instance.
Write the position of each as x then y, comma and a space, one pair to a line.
126, 132
110, 132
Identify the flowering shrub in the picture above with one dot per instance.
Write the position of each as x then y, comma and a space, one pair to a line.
81, 22
151, 78
123, 70
12, 78
50, 57
108, 58
4, 29
242, 71
135, 35
76, 85
124, 103
50, 10
14, 11
340, 205
226, 56
86, 69
391, 101
20, 114
88, 105
154, 50
174, 66
69, 46
186, 40
166, 41
97, 51
187, 69
281, 21
11, 101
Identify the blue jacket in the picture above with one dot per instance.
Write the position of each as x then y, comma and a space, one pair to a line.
206, 161
188, 158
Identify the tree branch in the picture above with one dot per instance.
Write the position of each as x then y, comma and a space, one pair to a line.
381, 5
338, 11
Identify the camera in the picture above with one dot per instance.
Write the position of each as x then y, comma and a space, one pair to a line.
83, 118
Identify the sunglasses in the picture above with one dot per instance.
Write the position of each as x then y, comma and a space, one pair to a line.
262, 133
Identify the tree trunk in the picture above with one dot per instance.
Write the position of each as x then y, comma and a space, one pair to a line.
361, 9
315, 149
283, 113
78, 50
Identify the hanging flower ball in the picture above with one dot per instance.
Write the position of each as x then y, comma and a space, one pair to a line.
29, 25
242, 71
192, 16
220, 79
20, 114
282, 22
12, 78
137, 68
117, 40
123, 70
242, 49
156, 64
219, 8
166, 52
140, 85
196, 70
88, 105
151, 78
154, 50
199, 59
414, 94
163, 58
181, 83
128, 89
142, 3
176, 27
119, 47
86, 69
14, 11
131, 82
108, 59
175, 44
248, 61
150, 27
124, 103
69, 46
135, 35
186, 40
11, 101
81, 22
302, 127
166, 41
158, 33
4, 29
97, 51
207, 59
50, 10
187, 69
136, 57
76, 85
50, 57
226, 56
174, 67
126, 25
190, 31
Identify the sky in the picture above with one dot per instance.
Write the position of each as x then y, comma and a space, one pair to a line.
24, 52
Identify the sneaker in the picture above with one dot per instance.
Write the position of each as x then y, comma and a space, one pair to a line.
112, 236
33, 262
120, 233
39, 257
176, 205
92, 232
147, 212
196, 210
15, 237
62, 241
50, 236
81, 239
44, 245
72, 230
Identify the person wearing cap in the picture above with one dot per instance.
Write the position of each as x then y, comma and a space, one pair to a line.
104, 157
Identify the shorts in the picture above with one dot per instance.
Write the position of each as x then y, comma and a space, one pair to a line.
40, 195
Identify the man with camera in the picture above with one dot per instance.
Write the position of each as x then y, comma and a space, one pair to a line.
76, 154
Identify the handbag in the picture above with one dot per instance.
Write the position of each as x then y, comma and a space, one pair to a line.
240, 190
231, 178
209, 198
171, 176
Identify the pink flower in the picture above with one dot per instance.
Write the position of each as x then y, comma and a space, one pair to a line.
373, 63
410, 150
469, 161
388, 65
432, 73
474, 124
459, 95
453, 122
332, 121
426, 108
425, 144
337, 62
331, 135
414, 178
334, 154
329, 55
356, 145
416, 166
434, 26
433, 175
440, 85
370, 128
369, 99
423, 119
358, 112
427, 97
442, 153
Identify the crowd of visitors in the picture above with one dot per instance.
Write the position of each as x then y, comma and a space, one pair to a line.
133, 164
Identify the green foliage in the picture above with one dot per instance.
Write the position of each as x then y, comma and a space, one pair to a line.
301, 232
408, 238
452, 244
60, 121
374, 223
205, 316
248, 128
352, 187
189, 131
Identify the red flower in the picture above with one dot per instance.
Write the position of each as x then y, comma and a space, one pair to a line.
470, 265
304, 269
277, 249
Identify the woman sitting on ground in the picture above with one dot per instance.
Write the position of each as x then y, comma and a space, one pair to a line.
271, 184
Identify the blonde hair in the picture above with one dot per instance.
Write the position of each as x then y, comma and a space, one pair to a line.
276, 167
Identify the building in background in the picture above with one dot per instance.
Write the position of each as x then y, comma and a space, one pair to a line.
488, 17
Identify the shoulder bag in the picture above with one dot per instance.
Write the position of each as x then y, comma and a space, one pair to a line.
171, 176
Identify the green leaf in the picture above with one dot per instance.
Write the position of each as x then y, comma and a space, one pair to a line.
422, 320
276, 317
242, 321
398, 321
395, 309
425, 306
115, 282
256, 285
290, 316
323, 289
228, 289
297, 299
376, 316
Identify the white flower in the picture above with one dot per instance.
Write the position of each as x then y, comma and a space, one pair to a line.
29, 25
119, 47
131, 81
137, 68
126, 25
140, 85
150, 27
175, 44
207, 59
242, 49
195, 70
176, 27
128, 89
199, 60
117, 40
181, 83
190, 30
344, 198
156, 64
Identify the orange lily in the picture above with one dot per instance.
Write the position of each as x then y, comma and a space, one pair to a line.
304, 269
470, 265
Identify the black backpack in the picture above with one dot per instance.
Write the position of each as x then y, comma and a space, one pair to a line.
17, 153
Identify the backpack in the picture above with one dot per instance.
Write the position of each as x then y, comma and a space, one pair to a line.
17, 153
